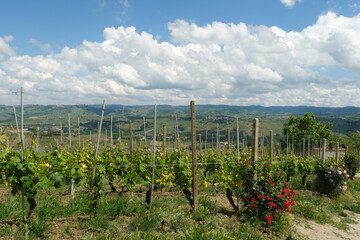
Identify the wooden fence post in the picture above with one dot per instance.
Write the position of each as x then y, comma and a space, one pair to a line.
200, 146
69, 131
255, 144
153, 161
324, 150
164, 142
303, 148
271, 150
131, 142
228, 135
97, 146
194, 160
337, 153
111, 131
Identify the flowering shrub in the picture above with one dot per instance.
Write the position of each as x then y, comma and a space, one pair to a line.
352, 163
265, 198
331, 179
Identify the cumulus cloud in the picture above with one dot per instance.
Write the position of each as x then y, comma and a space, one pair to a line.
5, 49
218, 63
290, 3
43, 46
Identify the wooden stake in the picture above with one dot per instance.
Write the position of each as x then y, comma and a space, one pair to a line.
61, 134
200, 147
17, 125
324, 150
229, 144
111, 132
131, 142
194, 160
271, 150
304, 148
153, 162
97, 146
164, 142
337, 153
79, 133
69, 131
206, 135
255, 144
144, 131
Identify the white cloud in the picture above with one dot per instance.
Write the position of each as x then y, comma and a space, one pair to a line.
5, 49
290, 3
43, 46
218, 64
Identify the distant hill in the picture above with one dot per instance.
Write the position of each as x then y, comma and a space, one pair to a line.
344, 119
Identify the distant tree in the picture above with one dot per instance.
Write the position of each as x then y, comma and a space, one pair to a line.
354, 142
307, 126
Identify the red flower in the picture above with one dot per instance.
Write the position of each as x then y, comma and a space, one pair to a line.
253, 199
253, 205
280, 196
246, 162
293, 203
267, 164
270, 181
267, 198
284, 191
259, 196
244, 199
269, 223
274, 205
292, 192
286, 185
266, 176
280, 211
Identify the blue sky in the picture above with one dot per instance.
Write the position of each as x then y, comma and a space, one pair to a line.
301, 52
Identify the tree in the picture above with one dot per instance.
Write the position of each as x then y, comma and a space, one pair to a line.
307, 126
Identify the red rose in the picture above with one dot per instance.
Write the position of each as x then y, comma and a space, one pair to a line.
267, 198
292, 192
293, 203
246, 162
280, 211
267, 164
259, 196
253, 199
270, 181
284, 191
244, 199
280, 196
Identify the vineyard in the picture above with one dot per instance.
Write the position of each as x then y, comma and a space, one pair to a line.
181, 190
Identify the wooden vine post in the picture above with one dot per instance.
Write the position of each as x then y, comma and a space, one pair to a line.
228, 135
153, 161
144, 131
69, 131
200, 146
79, 132
111, 132
17, 125
255, 144
97, 147
131, 142
194, 160
271, 150
164, 142
337, 152
324, 150
61, 134
304, 148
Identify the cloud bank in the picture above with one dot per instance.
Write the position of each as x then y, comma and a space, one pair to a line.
219, 63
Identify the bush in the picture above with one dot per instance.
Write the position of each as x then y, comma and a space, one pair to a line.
331, 179
352, 163
265, 198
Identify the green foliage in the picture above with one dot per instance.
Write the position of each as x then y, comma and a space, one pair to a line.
352, 163
264, 198
307, 126
331, 179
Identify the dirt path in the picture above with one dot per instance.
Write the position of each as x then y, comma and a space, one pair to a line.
314, 231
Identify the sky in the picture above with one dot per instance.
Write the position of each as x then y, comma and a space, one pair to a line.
142, 52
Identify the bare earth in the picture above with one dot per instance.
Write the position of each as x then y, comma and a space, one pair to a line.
314, 231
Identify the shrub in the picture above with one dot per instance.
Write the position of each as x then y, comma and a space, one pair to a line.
265, 198
352, 163
331, 179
